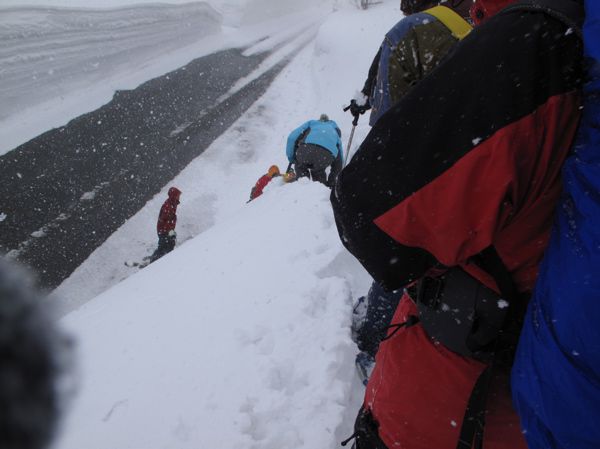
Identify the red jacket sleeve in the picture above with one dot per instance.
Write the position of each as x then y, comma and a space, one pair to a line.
459, 163
503, 192
259, 186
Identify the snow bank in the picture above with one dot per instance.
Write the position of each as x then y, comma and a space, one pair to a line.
240, 338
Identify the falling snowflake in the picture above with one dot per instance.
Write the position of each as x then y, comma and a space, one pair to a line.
88, 196
39, 233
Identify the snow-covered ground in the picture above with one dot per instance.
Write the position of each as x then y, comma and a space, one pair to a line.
240, 337
59, 63
48, 54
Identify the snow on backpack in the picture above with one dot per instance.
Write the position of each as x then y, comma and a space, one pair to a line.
556, 374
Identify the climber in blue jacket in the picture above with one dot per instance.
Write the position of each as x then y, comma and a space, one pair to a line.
314, 146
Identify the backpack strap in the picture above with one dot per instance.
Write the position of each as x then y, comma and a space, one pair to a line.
570, 12
455, 23
301, 138
471, 432
510, 331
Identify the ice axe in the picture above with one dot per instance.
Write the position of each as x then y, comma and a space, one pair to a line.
354, 123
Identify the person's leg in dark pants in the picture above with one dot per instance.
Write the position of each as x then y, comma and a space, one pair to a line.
319, 175
302, 170
336, 168
381, 306
313, 159
166, 244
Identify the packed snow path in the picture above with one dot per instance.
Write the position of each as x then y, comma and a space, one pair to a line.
58, 185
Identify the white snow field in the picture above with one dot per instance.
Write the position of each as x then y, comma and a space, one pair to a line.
239, 338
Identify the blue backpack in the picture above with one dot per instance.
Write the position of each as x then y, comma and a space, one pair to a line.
556, 374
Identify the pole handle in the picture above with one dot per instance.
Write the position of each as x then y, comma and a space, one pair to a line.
355, 121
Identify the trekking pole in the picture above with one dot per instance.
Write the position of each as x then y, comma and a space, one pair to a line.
354, 123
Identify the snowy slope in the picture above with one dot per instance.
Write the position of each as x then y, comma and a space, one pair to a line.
240, 337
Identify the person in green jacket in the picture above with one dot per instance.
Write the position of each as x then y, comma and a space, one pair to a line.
410, 50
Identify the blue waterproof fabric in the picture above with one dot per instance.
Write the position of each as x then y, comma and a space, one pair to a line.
556, 375
325, 134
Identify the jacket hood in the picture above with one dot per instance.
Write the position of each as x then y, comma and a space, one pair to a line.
174, 193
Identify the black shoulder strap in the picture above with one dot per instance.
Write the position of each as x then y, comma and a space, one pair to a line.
471, 432
490, 261
570, 12
301, 139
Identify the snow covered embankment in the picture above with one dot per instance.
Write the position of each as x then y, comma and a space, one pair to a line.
240, 338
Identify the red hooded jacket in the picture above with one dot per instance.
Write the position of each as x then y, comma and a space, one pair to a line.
262, 182
167, 219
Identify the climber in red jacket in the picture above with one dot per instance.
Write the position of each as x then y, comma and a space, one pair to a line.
165, 227
262, 182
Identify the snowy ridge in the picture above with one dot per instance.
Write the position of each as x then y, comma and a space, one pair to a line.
238, 351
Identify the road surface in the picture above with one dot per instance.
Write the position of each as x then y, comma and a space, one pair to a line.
66, 191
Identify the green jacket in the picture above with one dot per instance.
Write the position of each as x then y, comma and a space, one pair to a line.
410, 50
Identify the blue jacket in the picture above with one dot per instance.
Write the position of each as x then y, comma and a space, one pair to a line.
326, 134
556, 375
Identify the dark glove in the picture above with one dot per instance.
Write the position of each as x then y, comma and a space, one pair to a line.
358, 109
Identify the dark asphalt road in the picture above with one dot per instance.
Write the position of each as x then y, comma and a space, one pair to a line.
66, 191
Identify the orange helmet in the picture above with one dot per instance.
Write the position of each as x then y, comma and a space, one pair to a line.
273, 171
